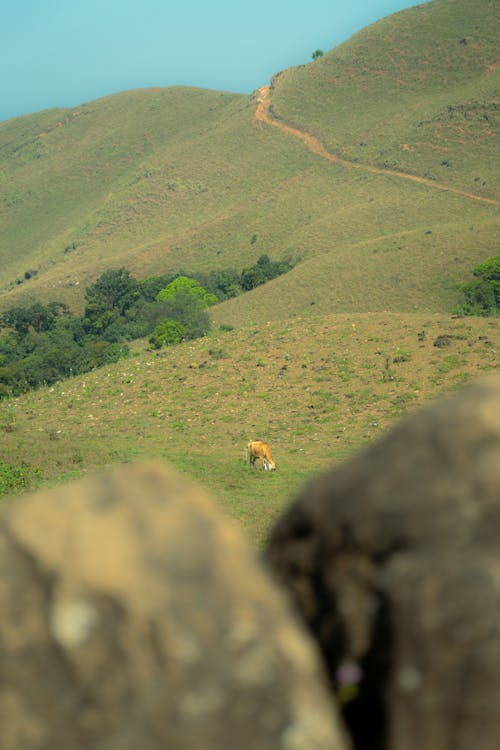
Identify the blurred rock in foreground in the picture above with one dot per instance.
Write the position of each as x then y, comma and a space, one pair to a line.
393, 560
132, 615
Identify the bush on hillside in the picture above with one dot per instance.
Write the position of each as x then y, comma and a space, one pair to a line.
108, 300
167, 333
224, 284
16, 478
186, 302
150, 286
43, 349
482, 297
35, 317
264, 270
187, 288
228, 283
191, 313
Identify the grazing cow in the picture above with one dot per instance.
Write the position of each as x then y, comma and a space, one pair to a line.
259, 449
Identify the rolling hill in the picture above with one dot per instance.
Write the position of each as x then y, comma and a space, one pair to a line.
155, 180
373, 166
423, 85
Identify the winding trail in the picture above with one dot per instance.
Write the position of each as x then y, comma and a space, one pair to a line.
262, 115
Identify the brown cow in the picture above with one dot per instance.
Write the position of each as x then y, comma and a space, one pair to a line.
259, 449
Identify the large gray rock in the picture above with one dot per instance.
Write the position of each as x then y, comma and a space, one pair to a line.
394, 562
133, 616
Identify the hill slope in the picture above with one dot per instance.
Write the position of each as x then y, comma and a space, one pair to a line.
157, 180
316, 388
417, 92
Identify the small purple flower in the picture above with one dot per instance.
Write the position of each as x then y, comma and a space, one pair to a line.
349, 673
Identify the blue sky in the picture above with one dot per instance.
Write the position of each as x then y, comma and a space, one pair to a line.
61, 53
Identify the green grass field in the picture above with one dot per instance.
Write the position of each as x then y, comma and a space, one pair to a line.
316, 388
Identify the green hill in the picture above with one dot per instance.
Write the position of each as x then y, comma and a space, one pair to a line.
161, 179
416, 92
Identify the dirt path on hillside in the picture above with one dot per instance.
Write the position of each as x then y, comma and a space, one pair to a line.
262, 115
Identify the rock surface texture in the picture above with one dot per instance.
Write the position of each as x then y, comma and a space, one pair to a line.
133, 616
394, 562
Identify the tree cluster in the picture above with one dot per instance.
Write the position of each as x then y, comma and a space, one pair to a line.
45, 343
41, 344
482, 296
229, 283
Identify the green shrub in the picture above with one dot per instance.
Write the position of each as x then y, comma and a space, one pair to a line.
35, 317
482, 297
113, 293
16, 478
167, 333
264, 270
185, 286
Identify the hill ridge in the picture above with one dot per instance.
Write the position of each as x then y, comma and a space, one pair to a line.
373, 166
262, 114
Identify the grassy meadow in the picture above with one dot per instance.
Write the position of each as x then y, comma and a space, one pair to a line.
316, 388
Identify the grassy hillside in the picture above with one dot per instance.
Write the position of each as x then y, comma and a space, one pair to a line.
317, 389
161, 179
417, 92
